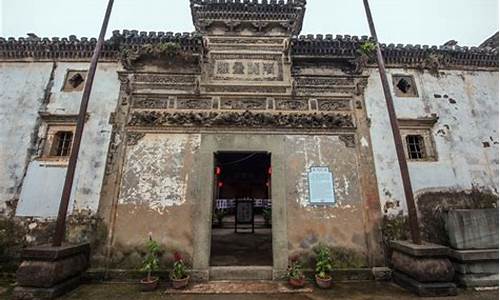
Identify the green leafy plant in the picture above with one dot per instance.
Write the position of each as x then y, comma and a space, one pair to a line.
323, 261
367, 48
219, 215
151, 261
179, 271
295, 269
267, 213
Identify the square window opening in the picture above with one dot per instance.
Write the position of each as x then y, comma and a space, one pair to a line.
416, 147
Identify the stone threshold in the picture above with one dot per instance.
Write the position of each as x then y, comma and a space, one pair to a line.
241, 287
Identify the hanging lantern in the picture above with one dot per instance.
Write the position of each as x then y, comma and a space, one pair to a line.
218, 171
270, 171
220, 184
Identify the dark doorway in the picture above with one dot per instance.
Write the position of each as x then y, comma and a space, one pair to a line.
241, 223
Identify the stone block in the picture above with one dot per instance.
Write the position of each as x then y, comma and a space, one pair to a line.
477, 267
48, 272
424, 269
30, 293
474, 255
477, 280
439, 289
382, 273
32, 273
472, 228
422, 250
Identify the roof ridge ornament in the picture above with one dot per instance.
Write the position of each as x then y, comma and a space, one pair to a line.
210, 15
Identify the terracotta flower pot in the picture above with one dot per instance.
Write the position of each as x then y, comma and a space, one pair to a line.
324, 283
180, 283
297, 283
149, 285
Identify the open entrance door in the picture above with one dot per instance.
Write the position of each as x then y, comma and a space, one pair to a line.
241, 223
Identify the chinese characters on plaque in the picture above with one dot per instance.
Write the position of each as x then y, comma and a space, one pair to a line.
321, 187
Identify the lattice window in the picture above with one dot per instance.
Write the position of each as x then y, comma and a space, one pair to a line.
416, 147
61, 144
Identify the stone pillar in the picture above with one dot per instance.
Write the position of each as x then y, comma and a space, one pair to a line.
423, 269
48, 272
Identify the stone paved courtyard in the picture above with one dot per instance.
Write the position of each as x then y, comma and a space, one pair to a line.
355, 290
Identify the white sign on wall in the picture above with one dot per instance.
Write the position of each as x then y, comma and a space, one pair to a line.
321, 188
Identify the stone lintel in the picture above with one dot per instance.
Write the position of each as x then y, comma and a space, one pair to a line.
50, 253
423, 250
434, 289
473, 255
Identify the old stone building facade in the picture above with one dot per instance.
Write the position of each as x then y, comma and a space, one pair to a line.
167, 108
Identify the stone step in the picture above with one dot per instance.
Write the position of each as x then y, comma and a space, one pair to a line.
241, 273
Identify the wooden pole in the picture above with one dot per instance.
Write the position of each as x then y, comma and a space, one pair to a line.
403, 166
70, 174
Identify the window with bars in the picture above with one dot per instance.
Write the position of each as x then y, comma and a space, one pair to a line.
416, 147
61, 145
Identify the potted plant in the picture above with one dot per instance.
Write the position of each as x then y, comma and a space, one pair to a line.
179, 276
323, 267
296, 277
219, 215
267, 214
151, 264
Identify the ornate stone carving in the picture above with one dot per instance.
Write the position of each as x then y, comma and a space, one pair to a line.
243, 104
291, 105
333, 105
324, 81
349, 140
150, 103
240, 119
134, 137
245, 89
194, 103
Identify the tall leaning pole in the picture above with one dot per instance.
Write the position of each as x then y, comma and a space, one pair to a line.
403, 166
75, 149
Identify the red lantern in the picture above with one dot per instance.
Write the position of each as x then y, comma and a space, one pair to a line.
218, 171
221, 184
270, 171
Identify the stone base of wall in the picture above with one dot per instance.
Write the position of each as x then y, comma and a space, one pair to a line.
475, 268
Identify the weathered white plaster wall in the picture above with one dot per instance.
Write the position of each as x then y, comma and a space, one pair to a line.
21, 94
463, 160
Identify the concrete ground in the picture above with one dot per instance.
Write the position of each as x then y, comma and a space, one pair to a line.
357, 291
241, 249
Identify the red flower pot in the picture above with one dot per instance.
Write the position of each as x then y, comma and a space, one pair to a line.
324, 283
297, 283
180, 283
149, 285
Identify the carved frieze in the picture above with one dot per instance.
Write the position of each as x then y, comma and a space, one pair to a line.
194, 103
324, 81
245, 89
291, 104
243, 104
333, 105
150, 103
240, 119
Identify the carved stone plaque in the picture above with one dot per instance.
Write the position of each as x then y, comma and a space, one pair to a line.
321, 188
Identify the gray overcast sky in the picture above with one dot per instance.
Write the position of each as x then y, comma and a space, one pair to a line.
399, 21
